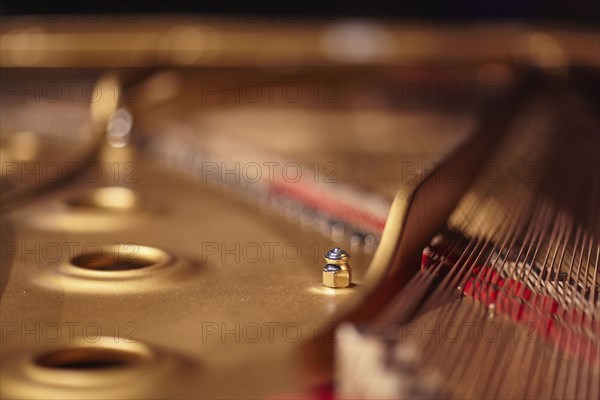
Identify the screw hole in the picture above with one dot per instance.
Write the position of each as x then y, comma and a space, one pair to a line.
122, 257
87, 358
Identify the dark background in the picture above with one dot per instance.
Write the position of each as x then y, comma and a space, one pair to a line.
574, 12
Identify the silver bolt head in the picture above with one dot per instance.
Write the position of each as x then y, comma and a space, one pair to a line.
331, 268
336, 254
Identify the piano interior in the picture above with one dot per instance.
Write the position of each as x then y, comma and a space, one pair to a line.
318, 205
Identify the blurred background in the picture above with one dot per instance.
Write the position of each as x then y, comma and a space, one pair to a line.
179, 126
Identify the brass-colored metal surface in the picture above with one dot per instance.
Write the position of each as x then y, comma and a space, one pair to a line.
133, 41
201, 284
168, 272
224, 309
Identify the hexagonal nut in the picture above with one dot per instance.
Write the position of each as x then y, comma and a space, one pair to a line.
336, 279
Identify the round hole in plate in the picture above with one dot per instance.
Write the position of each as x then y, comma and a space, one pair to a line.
121, 257
112, 198
88, 358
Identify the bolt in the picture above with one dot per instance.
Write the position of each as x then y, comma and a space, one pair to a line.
337, 273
